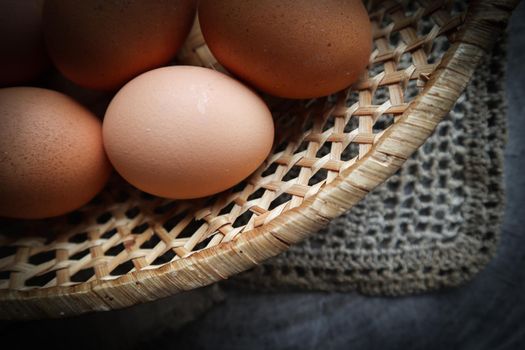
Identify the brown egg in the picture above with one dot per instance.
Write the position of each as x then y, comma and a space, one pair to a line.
294, 49
101, 44
52, 159
23, 56
186, 132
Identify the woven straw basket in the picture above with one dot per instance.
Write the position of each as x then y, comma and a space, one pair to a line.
127, 247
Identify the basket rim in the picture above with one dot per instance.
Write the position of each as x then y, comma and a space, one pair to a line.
484, 22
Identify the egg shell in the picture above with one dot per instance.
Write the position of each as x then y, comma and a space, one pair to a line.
293, 49
52, 160
186, 132
101, 44
23, 55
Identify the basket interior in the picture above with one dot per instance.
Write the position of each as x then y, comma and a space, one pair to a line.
124, 230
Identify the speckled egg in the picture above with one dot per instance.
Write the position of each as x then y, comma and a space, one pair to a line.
294, 49
52, 160
101, 44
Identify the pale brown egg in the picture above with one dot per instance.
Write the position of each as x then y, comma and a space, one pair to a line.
101, 44
52, 160
23, 55
294, 49
186, 132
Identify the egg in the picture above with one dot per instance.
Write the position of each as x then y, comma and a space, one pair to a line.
23, 55
101, 44
186, 132
293, 49
52, 159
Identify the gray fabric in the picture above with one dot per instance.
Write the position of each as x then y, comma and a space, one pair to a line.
434, 224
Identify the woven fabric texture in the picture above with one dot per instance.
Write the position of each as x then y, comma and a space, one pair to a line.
434, 224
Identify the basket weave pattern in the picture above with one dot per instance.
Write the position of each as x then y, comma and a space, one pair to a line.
128, 247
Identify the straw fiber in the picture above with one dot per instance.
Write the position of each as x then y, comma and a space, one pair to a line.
435, 223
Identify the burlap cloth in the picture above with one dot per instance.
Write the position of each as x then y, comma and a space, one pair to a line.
435, 223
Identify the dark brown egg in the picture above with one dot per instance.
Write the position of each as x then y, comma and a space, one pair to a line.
294, 49
101, 44
52, 159
23, 56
